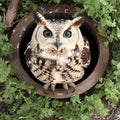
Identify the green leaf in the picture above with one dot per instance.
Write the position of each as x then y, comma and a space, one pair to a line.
57, 1
24, 109
5, 70
106, 44
75, 99
118, 66
114, 62
35, 7
118, 32
46, 113
104, 2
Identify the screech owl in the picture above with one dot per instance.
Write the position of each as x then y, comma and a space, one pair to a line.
58, 52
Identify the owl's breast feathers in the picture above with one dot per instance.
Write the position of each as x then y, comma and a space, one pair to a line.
52, 71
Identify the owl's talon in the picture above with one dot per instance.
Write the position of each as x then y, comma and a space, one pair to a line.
45, 88
47, 85
74, 89
72, 85
67, 92
53, 88
45, 91
65, 86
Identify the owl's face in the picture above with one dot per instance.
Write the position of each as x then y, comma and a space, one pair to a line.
57, 38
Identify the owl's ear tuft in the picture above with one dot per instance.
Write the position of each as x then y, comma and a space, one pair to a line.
78, 21
39, 18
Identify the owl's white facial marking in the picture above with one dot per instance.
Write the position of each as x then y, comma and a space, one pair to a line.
56, 39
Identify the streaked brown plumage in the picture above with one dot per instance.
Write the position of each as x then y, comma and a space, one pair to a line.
57, 52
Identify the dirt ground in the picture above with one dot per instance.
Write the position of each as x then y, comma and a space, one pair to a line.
114, 114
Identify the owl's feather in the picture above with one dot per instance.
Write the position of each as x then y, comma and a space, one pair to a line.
65, 64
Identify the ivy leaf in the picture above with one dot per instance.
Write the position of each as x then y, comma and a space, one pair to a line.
114, 62
75, 99
56, 1
118, 66
24, 109
5, 70
118, 32
35, 7
104, 2
46, 112
106, 43
77, 1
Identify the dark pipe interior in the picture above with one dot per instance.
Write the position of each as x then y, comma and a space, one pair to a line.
86, 30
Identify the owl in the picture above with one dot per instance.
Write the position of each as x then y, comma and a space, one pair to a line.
57, 53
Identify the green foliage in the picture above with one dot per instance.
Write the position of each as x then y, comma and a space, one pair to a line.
109, 85
3, 6
29, 5
52, 1
21, 99
26, 6
5, 70
106, 15
5, 47
77, 109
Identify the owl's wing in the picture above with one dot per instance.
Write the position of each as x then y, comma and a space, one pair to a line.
28, 54
86, 54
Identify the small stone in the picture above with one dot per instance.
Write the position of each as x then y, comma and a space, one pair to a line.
20, 36
26, 19
18, 45
66, 10
14, 30
24, 29
50, 12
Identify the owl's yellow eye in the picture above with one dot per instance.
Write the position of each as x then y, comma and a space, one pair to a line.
47, 33
67, 34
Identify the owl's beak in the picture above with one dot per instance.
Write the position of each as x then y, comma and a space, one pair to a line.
57, 43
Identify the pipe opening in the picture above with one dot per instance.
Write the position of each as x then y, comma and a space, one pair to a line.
86, 30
